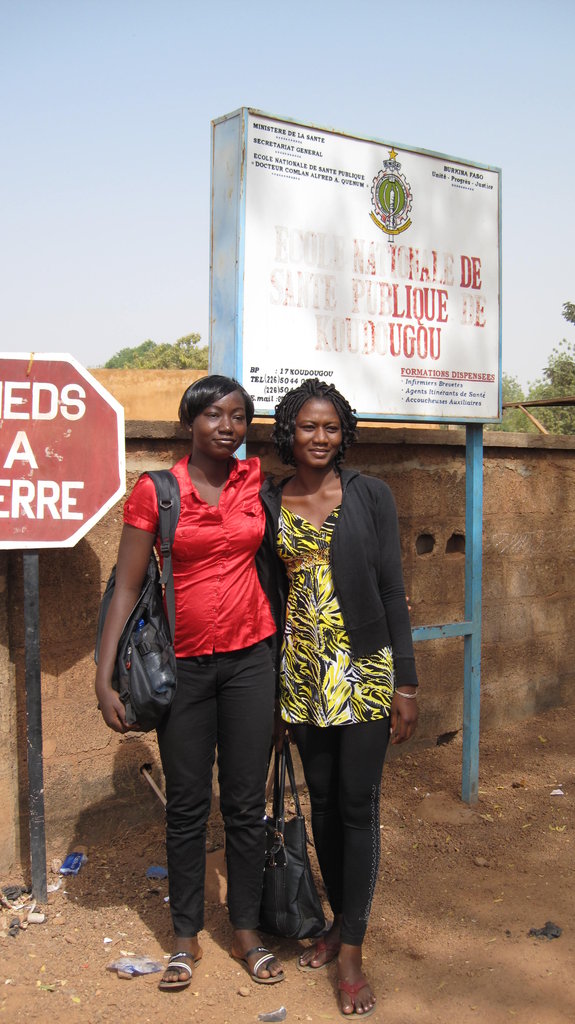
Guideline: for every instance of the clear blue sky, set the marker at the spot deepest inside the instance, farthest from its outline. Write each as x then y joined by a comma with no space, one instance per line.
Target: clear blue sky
105,127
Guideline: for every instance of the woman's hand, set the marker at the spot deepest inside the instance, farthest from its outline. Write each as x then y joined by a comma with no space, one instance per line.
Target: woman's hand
404,714
112,709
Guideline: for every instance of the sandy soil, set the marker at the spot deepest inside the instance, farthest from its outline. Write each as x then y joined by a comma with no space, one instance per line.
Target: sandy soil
459,891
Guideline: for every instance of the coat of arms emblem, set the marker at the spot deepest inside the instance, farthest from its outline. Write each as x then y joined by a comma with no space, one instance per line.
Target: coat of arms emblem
391,198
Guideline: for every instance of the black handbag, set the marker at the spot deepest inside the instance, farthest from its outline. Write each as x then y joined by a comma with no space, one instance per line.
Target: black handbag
145,672
291,906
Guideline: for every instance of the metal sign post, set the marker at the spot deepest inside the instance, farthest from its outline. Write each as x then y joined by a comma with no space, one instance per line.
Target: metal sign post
63,466
470,628
34,726
472,642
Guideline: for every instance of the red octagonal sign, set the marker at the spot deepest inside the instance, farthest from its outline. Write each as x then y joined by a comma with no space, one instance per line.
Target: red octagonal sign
62,458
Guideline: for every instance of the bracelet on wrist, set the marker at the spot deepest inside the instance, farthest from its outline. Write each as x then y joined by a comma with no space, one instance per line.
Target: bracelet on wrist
410,696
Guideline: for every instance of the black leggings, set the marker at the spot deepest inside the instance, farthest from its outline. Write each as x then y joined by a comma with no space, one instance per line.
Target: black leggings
342,767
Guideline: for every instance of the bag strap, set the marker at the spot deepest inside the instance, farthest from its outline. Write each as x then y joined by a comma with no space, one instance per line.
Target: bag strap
284,763
291,774
168,494
278,809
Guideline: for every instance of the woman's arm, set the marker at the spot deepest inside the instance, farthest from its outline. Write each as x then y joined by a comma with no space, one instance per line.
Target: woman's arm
133,558
392,589
404,711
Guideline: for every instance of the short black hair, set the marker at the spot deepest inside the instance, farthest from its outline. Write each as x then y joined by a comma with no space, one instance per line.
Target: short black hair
289,406
205,392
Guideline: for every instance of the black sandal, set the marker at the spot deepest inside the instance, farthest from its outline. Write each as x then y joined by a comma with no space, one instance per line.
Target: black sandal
262,961
179,962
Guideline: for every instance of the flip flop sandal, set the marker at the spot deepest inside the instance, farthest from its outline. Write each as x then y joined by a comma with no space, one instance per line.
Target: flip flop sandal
179,962
352,991
262,961
332,948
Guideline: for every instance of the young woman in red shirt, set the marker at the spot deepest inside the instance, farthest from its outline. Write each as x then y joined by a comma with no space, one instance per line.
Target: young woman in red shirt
225,693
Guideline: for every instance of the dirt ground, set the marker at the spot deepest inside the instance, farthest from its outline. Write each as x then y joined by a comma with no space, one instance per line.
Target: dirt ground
458,892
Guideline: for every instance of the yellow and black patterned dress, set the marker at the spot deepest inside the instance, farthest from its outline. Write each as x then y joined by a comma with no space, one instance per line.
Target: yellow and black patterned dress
321,683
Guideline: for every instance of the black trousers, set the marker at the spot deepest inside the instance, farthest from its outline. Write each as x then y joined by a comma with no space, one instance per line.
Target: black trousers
342,767
223,700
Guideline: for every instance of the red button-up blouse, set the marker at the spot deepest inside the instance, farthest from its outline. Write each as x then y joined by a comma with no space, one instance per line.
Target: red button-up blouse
220,605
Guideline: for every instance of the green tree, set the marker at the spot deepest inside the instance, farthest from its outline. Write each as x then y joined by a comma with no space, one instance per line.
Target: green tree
513,419
558,381
183,354
569,312
127,358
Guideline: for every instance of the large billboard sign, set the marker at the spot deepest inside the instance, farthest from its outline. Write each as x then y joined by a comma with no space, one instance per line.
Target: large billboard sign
367,264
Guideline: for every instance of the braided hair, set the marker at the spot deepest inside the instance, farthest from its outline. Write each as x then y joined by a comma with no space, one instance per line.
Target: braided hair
289,406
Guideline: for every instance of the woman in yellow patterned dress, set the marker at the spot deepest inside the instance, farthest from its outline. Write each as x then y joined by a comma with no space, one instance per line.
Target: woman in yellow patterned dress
347,671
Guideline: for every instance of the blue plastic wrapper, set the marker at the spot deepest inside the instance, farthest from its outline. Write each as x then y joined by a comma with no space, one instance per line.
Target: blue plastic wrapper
156,871
135,965
72,864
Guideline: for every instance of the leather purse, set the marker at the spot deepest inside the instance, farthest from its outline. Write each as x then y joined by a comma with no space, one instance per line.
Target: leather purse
145,672
291,906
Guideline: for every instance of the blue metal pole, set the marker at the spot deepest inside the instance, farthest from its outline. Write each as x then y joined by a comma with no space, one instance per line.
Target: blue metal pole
472,641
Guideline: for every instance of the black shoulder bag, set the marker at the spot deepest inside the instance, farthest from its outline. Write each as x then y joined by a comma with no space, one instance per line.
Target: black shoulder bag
145,671
291,906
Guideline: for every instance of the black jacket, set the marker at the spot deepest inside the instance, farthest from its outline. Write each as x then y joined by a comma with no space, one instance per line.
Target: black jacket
365,557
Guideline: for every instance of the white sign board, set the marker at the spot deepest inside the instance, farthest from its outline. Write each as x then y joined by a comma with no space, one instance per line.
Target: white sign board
369,265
